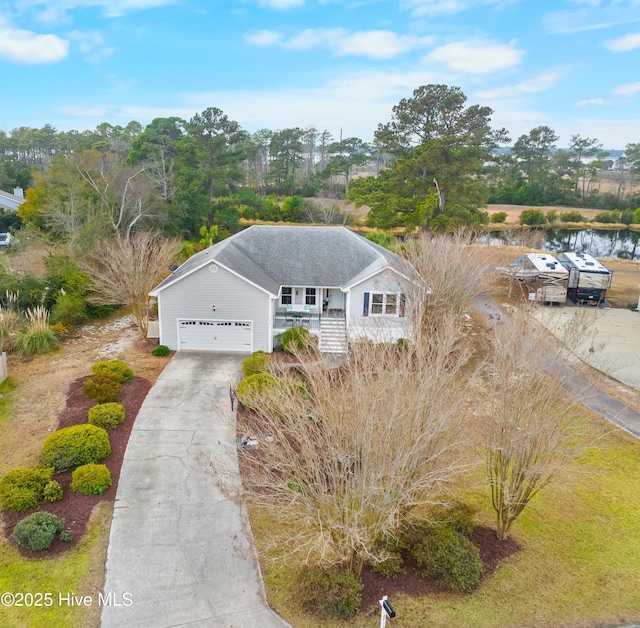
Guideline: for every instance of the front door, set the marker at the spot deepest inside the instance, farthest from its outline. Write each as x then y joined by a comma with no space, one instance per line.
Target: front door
336,299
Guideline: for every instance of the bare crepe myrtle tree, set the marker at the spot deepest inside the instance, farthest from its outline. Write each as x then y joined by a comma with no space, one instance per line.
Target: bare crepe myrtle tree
533,427
344,464
126,268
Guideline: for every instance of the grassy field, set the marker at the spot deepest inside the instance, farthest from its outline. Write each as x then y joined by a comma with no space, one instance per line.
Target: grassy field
579,565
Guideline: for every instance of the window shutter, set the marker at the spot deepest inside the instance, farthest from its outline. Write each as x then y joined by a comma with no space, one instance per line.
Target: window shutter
365,309
403,304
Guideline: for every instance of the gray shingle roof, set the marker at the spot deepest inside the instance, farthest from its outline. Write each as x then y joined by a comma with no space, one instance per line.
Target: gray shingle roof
275,256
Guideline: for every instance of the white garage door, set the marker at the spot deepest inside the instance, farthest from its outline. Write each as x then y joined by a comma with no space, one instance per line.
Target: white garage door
199,335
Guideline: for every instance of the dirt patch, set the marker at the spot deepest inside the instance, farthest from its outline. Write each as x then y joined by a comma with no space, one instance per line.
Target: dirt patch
76,509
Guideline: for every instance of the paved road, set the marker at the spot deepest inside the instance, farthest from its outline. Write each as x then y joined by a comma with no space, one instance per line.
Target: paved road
597,400
180,549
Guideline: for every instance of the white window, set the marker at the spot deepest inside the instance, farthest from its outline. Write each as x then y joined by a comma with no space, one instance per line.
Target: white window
310,296
285,298
387,304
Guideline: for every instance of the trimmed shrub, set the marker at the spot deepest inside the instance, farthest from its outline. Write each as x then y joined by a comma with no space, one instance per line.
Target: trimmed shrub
458,515
106,415
23,489
257,362
37,531
299,339
103,387
390,568
66,536
572,216
552,216
532,217
450,558
161,351
52,492
609,217
329,592
116,367
251,391
91,479
498,217
75,445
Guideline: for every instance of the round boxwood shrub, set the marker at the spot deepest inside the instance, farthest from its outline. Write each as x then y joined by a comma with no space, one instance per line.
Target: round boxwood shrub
297,339
498,217
253,391
257,362
75,445
450,558
23,489
91,479
390,568
329,592
106,415
52,492
103,387
161,351
37,531
532,217
116,367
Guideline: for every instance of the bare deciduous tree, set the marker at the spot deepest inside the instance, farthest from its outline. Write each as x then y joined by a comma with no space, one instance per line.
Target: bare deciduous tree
533,428
124,270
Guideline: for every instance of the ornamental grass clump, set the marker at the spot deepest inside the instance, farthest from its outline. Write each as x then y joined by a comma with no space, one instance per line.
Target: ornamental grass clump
103,387
9,326
106,415
116,367
37,531
74,446
35,337
23,489
91,479
331,592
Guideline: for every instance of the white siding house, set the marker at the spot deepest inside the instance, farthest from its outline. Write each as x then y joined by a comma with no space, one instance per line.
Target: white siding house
237,295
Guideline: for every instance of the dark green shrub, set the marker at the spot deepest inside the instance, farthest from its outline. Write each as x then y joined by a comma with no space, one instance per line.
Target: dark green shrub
23,489
458,515
66,536
609,217
91,479
75,445
103,387
626,216
116,367
499,217
572,216
390,568
552,216
532,217
450,558
161,351
37,531
257,362
331,592
297,339
52,492
106,415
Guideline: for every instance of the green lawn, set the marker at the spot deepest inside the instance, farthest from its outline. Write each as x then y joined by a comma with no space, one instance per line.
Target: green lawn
78,572
579,565
7,398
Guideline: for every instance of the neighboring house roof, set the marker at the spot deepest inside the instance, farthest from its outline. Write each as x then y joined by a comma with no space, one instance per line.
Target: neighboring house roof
275,256
10,201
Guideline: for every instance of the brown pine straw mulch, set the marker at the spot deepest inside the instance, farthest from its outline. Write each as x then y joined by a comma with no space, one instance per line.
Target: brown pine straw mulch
73,507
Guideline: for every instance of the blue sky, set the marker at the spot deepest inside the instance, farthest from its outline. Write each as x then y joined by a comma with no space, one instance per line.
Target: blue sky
339,65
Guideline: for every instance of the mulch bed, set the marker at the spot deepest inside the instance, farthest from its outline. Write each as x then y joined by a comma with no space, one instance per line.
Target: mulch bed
73,507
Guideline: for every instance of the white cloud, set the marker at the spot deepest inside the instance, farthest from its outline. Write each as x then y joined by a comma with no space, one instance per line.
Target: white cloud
539,83
624,44
592,15
590,101
476,57
91,44
431,8
281,5
22,46
56,10
377,44
627,89
264,38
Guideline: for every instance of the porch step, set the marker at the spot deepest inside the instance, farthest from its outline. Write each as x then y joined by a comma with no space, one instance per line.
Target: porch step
333,335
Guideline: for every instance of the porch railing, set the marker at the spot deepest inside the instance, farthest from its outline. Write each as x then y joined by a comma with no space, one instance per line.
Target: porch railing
310,320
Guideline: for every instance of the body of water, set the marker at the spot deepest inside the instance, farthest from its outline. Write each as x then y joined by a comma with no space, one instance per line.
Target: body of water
621,243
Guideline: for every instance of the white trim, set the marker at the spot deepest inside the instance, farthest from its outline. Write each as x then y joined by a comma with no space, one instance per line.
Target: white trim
384,313
270,334
154,293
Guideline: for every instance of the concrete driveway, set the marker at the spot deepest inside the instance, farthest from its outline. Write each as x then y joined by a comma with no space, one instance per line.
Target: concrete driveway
180,551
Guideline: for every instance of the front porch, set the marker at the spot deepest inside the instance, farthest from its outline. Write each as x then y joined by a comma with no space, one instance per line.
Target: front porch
284,319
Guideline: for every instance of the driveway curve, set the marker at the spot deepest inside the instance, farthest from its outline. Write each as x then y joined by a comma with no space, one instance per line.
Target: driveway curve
180,551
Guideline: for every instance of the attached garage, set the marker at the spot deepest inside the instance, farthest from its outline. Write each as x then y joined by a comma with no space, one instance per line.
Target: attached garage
212,335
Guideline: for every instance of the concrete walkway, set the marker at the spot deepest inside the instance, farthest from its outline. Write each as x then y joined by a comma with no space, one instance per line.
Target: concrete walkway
180,552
